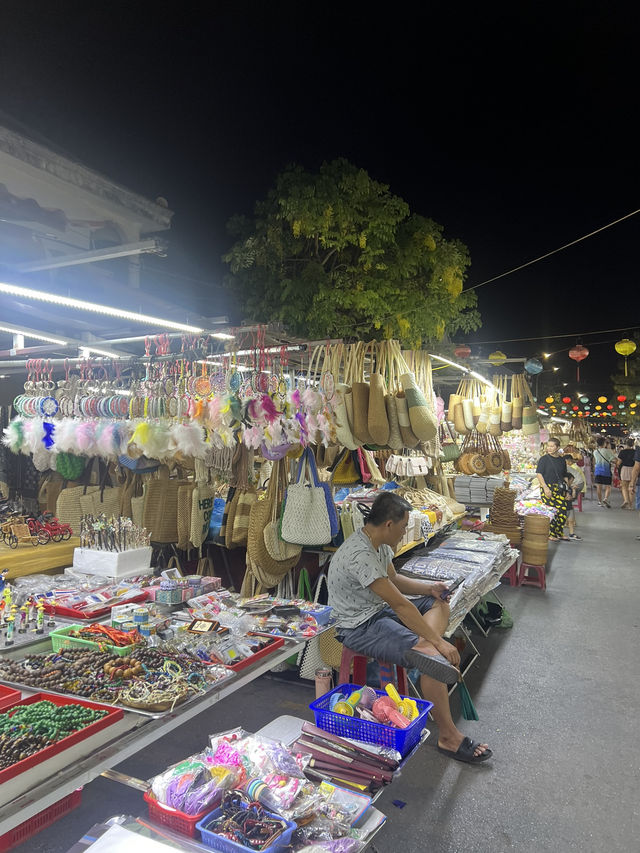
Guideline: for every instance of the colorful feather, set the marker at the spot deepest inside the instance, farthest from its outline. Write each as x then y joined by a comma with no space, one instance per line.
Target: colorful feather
85,435
269,409
66,435
14,435
48,439
188,439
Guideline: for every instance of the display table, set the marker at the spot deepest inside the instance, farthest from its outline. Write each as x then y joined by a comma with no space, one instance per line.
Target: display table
27,560
135,733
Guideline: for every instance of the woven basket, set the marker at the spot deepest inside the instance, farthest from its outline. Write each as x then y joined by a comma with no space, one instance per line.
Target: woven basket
535,540
535,556
536,524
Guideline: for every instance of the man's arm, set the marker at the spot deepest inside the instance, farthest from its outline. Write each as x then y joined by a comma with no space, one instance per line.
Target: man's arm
410,616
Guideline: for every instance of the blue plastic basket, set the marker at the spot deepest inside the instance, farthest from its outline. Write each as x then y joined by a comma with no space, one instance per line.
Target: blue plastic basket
216,842
322,614
402,740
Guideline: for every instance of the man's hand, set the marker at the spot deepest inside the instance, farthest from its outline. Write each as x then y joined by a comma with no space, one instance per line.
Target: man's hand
449,652
437,588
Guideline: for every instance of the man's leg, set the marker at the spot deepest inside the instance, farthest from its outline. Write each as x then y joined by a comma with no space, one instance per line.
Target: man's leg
449,736
599,491
571,522
607,495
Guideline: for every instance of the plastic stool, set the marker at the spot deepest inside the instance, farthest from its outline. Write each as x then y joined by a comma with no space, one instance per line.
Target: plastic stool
387,675
540,581
580,502
512,574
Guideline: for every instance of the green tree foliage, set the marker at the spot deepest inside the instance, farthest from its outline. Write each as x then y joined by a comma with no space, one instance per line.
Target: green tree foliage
335,254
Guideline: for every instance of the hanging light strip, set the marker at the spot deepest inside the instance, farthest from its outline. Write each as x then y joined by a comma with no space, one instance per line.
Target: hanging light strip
15,330
81,305
85,352
464,369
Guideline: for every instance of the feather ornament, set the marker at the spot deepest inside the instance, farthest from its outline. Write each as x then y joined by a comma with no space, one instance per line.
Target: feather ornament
140,435
85,438
33,435
252,437
214,416
48,439
311,400
66,435
269,410
295,399
105,444
14,435
158,441
188,439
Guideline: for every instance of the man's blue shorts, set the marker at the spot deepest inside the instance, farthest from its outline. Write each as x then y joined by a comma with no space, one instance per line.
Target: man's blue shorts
383,636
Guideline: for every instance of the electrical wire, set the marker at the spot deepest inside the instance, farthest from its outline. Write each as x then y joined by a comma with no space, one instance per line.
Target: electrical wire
553,337
554,252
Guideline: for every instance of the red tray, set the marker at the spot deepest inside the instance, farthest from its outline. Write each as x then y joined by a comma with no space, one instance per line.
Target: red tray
72,613
40,821
113,714
275,643
174,819
8,697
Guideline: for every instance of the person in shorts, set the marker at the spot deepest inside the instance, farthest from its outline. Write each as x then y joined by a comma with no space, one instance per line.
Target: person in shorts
633,484
376,618
625,461
570,497
603,457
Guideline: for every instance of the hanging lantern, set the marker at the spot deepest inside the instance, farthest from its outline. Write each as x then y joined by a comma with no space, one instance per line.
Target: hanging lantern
625,348
621,405
584,399
576,408
633,405
587,408
578,354
622,398
637,396
598,408
549,399
533,366
566,399
609,407
580,414
462,351
602,399
497,358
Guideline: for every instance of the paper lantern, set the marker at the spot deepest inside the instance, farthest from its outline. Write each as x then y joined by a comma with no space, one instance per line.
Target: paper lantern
462,351
549,399
602,399
598,408
587,408
578,354
621,398
580,414
625,348
566,399
533,366
609,407
497,358
621,405
576,408
633,405
584,399
637,396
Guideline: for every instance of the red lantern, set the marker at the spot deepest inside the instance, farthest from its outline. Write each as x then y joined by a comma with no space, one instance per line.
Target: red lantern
622,398
575,408
566,399
610,407
462,351
578,354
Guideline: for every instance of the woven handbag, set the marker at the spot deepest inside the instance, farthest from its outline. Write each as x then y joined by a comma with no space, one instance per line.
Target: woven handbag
202,499
423,420
68,508
360,394
184,515
279,550
161,507
305,517
344,471
330,648
310,659
377,421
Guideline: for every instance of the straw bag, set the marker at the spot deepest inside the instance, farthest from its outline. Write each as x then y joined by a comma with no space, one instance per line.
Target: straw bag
388,365
137,510
330,648
360,394
530,421
345,472
375,475
449,450
68,508
516,402
161,507
104,501
506,417
378,422
456,414
344,435
305,517
202,498
260,564
423,421
310,659
279,550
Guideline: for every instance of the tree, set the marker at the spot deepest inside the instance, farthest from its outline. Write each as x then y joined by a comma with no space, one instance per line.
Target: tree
336,254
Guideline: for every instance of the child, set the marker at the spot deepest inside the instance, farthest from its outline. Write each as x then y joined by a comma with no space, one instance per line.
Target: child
572,495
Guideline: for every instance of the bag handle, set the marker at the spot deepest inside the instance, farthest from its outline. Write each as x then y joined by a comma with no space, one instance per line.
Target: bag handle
304,585
308,460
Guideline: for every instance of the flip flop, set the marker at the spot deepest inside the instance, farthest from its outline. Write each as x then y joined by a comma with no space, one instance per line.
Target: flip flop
465,752
436,666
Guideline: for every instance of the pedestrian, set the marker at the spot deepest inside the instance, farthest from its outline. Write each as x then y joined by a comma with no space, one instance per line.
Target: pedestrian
572,495
625,461
603,457
633,484
579,481
552,473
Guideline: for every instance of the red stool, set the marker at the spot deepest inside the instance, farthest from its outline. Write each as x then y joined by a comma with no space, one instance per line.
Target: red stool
539,581
387,675
512,574
580,502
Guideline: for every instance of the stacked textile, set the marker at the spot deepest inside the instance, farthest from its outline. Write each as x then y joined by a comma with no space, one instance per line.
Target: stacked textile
475,490
481,559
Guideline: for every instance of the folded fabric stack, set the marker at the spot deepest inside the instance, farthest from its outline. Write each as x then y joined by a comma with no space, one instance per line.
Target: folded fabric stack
503,518
475,490
481,561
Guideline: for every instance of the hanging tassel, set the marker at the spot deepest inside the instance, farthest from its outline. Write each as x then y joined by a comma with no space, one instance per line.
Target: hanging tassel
468,708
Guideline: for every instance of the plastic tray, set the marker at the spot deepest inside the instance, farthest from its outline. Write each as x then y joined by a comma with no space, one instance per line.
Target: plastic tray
174,819
273,644
8,697
40,821
217,842
113,714
61,640
402,740
73,613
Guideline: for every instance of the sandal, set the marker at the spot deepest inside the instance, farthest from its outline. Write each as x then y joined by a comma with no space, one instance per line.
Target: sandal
465,752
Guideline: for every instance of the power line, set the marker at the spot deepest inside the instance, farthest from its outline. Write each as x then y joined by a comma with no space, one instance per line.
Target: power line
554,252
553,337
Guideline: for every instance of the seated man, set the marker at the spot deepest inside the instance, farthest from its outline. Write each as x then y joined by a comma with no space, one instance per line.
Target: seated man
376,618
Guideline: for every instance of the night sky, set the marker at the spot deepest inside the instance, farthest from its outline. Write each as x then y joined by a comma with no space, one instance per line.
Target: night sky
514,129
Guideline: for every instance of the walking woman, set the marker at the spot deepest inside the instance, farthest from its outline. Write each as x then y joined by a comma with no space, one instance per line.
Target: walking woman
603,457
625,461
552,474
